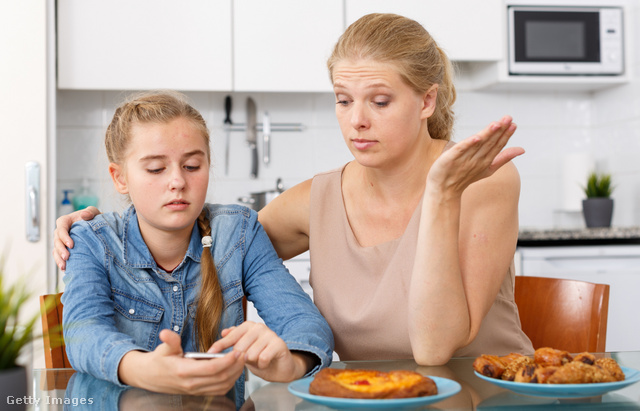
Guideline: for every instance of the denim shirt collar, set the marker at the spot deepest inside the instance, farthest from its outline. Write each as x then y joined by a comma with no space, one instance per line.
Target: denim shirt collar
135,250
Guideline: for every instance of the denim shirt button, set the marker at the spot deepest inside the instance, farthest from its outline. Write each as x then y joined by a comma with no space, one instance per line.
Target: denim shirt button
176,328
132,311
175,288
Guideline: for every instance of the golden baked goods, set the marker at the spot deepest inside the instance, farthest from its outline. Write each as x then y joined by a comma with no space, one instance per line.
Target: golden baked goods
371,384
550,366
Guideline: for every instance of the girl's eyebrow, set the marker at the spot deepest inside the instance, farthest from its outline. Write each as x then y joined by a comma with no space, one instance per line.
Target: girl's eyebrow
162,156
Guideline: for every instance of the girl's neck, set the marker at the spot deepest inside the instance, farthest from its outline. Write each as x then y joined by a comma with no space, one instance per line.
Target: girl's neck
167,248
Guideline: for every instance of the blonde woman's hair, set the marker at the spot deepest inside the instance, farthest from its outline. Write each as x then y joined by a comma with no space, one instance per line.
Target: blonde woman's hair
162,107
390,38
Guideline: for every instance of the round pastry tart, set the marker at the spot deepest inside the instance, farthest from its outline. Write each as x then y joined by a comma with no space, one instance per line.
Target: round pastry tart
371,384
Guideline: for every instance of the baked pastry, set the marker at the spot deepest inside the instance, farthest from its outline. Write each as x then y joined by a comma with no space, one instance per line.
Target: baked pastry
371,384
550,366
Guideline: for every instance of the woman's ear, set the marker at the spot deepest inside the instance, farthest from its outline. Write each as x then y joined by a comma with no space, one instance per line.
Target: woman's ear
119,180
429,102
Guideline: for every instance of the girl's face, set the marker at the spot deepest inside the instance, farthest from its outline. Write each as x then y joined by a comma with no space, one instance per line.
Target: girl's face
166,174
382,119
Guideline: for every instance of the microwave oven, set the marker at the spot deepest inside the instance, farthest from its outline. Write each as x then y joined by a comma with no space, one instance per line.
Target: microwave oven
565,40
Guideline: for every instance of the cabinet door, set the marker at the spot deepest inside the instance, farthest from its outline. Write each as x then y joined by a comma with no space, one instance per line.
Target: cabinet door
467,30
283,45
144,44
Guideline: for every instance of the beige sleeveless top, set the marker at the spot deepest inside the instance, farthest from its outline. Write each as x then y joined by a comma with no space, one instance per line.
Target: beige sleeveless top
362,291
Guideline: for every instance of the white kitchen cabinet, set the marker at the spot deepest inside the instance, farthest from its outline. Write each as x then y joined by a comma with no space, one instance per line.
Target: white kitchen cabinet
467,30
144,44
616,265
283,45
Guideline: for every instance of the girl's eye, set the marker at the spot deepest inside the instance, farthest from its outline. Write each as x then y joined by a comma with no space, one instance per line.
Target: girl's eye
155,170
192,168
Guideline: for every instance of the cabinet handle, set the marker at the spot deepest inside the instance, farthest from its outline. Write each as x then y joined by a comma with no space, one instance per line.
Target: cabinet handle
32,170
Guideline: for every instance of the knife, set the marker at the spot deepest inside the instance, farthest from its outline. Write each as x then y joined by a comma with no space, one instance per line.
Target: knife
252,138
266,138
227,122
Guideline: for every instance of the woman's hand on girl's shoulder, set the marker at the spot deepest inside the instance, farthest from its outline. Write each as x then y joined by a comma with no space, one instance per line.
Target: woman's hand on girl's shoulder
61,238
266,354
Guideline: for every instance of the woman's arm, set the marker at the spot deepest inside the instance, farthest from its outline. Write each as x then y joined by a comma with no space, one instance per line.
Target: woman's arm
286,220
467,237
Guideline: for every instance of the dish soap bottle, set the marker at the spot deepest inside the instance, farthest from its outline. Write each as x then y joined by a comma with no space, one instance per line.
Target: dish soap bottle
85,198
65,207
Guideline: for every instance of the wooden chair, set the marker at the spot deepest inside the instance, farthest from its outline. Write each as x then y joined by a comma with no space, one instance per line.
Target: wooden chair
55,355
563,314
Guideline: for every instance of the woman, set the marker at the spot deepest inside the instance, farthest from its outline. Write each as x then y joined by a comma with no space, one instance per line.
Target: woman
169,274
423,228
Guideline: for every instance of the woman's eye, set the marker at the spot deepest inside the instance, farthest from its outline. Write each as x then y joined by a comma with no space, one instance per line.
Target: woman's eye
342,102
381,103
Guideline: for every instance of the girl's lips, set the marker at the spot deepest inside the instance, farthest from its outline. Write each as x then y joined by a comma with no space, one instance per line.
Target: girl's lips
177,205
363,144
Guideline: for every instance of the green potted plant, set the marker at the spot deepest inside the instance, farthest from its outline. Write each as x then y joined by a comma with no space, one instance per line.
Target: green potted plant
598,206
14,336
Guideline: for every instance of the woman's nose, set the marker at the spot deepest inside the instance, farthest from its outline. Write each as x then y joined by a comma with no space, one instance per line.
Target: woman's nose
359,118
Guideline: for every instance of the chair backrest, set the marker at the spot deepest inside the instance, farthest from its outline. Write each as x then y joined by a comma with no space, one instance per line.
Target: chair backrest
563,314
55,355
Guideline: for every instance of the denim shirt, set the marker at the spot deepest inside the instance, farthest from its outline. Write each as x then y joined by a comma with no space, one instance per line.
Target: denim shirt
117,299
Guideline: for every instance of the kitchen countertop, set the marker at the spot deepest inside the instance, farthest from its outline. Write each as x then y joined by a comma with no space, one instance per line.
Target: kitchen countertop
583,236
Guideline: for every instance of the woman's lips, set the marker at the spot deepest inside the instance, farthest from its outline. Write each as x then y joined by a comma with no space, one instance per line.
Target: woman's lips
360,144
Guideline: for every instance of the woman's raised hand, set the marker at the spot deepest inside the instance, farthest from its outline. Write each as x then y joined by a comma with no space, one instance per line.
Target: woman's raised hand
474,158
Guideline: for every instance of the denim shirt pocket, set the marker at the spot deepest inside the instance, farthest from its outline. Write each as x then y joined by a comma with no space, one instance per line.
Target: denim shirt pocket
138,318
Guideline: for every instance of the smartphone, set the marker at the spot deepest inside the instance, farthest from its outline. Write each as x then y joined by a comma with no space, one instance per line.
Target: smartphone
203,355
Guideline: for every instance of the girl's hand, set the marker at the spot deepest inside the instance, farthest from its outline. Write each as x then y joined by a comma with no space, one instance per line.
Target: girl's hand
473,159
266,354
61,238
166,370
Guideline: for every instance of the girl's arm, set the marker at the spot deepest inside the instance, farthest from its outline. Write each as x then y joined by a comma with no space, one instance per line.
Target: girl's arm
467,237
296,339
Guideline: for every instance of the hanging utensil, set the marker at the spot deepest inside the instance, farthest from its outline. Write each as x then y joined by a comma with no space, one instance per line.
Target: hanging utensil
252,138
227,122
266,138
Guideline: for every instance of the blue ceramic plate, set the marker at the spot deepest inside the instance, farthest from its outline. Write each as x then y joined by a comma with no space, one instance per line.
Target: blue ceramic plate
566,390
446,388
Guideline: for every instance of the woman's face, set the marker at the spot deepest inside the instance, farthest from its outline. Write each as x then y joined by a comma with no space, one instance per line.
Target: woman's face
382,119
166,174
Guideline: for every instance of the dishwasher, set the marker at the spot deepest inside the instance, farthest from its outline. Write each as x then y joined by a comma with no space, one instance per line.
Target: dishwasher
616,265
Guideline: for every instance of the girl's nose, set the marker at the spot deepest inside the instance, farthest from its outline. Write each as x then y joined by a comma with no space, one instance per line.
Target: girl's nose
176,181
